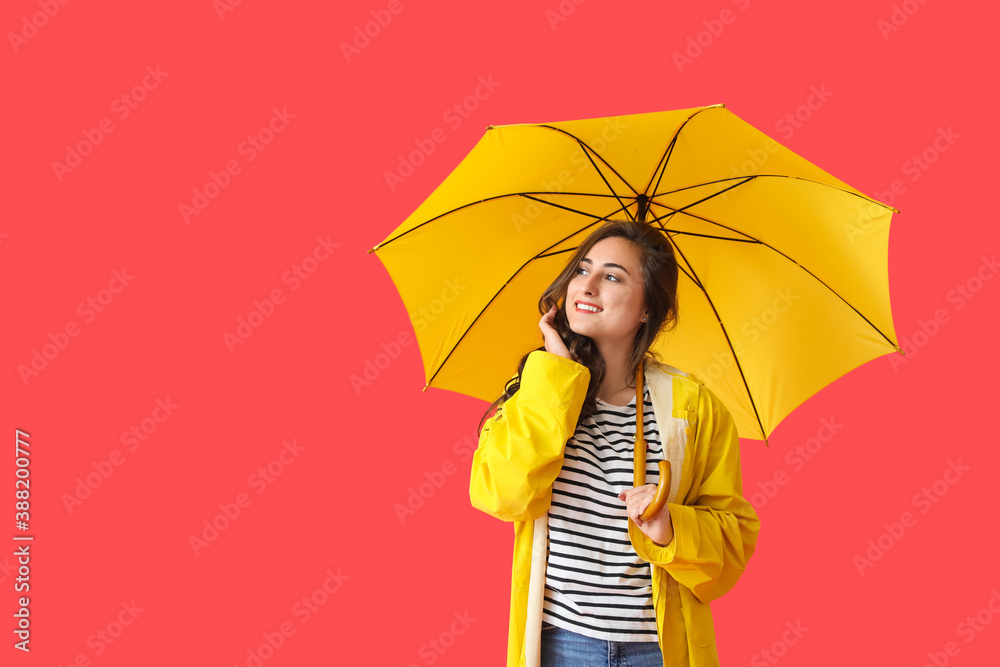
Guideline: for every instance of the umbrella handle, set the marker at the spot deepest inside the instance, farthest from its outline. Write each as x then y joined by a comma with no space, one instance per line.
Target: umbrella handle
662,491
639,460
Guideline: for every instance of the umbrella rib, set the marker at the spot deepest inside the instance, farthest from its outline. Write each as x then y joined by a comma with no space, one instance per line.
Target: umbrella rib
586,152
834,292
798,178
711,236
482,201
704,199
683,209
725,333
661,167
624,207
544,253
554,253
591,150
742,179
658,219
835,187
573,210
766,245
670,235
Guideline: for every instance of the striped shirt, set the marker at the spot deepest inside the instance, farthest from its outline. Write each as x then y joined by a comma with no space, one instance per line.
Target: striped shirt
595,583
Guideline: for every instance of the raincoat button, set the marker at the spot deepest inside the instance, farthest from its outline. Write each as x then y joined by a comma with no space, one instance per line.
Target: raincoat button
690,408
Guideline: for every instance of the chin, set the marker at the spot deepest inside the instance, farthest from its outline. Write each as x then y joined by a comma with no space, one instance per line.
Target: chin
574,323
580,331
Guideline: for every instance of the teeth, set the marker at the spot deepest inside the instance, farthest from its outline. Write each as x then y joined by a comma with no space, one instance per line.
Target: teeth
592,309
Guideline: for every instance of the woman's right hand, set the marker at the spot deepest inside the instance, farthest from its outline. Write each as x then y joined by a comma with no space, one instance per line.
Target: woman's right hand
553,341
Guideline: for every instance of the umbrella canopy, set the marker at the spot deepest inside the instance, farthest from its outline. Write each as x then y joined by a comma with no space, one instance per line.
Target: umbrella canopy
784,279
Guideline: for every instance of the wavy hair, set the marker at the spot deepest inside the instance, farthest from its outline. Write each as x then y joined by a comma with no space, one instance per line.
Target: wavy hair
659,276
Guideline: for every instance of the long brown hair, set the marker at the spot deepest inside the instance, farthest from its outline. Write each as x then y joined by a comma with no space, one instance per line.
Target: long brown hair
659,275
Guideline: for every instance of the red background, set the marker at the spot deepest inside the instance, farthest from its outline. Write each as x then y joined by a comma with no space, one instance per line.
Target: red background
334,506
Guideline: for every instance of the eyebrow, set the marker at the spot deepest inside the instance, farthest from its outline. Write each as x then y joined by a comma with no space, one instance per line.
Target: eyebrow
617,266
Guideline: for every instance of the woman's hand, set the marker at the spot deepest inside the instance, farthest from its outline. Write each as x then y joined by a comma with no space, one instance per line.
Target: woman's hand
553,341
659,528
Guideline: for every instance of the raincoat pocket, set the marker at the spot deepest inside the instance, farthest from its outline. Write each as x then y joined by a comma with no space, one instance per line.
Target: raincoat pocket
698,618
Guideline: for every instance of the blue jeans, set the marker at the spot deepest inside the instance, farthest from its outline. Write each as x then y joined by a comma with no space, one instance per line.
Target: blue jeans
563,648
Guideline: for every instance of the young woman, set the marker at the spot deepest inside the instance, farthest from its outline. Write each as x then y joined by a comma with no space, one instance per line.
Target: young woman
592,583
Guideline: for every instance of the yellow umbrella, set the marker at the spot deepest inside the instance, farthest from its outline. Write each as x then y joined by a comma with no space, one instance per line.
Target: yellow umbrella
784,280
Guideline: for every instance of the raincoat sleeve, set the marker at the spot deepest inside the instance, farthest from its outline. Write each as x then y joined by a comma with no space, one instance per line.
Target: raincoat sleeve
521,447
715,533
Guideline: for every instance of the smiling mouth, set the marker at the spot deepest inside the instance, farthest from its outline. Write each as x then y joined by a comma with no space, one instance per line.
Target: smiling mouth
582,308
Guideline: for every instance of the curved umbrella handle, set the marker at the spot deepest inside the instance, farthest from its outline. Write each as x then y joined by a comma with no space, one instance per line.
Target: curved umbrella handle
662,491
639,459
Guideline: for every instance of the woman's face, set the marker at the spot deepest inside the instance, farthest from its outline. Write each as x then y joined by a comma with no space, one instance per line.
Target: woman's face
609,281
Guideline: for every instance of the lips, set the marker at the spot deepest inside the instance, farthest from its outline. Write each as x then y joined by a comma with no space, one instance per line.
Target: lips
584,307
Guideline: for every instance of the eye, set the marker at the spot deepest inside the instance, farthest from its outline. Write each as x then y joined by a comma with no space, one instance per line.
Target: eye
580,270
614,277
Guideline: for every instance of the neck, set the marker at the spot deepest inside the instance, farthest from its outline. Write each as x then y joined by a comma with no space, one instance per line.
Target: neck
616,377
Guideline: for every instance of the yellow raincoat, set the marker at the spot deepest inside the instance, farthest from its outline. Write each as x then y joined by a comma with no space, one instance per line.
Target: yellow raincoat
520,455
